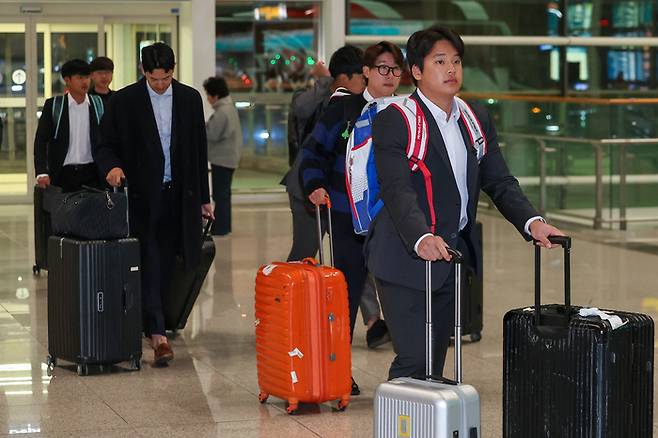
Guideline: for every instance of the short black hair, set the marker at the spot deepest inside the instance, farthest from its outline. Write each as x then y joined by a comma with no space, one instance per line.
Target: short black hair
101,63
158,55
347,60
216,86
75,67
420,43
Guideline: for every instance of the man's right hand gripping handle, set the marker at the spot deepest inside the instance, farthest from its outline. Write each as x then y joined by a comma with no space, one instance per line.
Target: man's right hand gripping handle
115,177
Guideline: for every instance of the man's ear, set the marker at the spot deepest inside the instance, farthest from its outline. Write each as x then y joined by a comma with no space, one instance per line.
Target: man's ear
366,71
416,72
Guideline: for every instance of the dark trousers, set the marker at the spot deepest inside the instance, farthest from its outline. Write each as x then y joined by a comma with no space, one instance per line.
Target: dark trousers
305,241
349,259
158,250
404,312
222,177
73,176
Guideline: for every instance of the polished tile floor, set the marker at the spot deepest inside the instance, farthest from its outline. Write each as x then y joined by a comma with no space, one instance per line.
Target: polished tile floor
210,388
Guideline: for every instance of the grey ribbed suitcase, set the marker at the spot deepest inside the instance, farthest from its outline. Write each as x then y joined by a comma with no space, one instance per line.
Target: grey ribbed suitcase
94,302
430,407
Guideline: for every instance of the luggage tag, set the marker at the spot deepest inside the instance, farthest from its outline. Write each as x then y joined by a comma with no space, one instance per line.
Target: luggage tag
614,320
267,270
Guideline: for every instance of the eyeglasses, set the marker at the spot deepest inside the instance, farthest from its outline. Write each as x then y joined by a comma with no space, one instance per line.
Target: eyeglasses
384,70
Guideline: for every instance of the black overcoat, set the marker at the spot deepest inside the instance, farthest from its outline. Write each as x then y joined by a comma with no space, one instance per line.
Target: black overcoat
130,140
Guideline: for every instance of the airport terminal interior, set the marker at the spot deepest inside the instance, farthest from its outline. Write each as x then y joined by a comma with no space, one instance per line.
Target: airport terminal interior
571,87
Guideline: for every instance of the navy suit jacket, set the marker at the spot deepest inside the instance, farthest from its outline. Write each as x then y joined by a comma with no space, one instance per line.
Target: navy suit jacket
406,216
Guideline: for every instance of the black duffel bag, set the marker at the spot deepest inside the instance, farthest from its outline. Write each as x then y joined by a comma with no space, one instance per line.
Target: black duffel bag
90,214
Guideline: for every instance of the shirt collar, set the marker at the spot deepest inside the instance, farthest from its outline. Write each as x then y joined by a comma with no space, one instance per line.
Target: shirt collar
367,96
152,93
437,112
73,102
223,101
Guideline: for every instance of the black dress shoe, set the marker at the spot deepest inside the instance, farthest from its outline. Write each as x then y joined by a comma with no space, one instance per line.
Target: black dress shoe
355,388
377,334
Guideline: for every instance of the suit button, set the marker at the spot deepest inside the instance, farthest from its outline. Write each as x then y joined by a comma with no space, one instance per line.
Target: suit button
453,235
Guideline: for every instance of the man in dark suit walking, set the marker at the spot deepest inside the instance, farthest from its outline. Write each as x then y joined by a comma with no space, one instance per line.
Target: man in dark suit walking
403,235
154,135
68,130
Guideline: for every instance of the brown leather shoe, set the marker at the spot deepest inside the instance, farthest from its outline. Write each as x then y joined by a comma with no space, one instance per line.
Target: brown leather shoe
162,354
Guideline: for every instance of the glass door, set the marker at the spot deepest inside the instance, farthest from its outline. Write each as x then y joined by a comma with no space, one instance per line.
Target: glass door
13,135
124,42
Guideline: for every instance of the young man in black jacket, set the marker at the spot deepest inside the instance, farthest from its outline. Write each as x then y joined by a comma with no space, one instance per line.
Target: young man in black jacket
410,229
323,164
69,128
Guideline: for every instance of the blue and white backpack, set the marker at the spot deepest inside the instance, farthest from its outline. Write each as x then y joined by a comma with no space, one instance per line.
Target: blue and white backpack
360,172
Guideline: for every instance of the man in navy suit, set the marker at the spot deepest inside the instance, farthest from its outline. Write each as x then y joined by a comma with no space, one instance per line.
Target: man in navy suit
401,238
154,135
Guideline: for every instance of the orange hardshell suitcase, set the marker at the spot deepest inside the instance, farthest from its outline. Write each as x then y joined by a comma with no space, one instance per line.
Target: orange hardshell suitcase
303,349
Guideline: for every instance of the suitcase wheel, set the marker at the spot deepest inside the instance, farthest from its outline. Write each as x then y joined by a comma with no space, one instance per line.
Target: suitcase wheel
476,337
343,404
292,408
135,364
51,361
83,369
263,396
36,270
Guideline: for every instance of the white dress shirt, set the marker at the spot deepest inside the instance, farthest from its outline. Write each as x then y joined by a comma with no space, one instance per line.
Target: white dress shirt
162,110
456,147
79,151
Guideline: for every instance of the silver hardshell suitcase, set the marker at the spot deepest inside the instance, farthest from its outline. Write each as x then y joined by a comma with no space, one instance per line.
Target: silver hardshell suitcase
430,407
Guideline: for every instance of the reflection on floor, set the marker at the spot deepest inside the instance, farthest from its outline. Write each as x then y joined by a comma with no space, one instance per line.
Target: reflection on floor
210,389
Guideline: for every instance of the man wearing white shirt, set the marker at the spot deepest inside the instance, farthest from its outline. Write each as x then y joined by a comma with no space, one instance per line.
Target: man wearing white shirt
429,210
68,128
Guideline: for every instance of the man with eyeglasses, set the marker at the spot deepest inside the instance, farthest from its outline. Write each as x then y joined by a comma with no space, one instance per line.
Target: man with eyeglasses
323,165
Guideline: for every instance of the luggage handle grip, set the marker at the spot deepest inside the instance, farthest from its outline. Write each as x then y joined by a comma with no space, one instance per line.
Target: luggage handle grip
565,242
458,259
329,231
206,229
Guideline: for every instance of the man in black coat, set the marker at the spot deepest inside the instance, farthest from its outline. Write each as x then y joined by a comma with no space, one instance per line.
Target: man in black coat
68,130
401,238
154,135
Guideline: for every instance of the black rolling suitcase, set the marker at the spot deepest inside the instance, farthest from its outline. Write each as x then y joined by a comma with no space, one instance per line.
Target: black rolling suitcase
186,285
94,302
572,376
472,296
42,228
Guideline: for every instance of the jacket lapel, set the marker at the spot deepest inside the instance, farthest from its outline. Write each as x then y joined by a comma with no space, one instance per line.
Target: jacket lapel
151,134
174,121
63,133
471,160
435,137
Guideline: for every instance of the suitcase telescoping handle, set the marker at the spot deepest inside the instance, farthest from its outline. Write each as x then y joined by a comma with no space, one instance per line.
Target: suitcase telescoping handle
329,231
458,259
124,182
565,242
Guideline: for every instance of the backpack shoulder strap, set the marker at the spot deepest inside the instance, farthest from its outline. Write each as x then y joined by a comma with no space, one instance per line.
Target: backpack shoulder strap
417,144
474,128
99,108
58,109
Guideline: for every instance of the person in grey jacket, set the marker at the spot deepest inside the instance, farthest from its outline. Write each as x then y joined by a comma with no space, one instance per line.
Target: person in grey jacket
224,149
